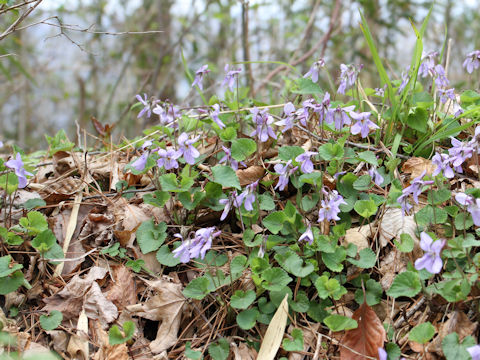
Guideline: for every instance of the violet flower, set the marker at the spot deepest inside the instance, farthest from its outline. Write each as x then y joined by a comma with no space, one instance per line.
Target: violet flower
431,260
442,161
339,116
405,79
474,351
472,62
1,143
146,106
363,124
199,74
376,176
214,116
233,199
18,166
323,110
196,247
382,354
304,112
187,149
330,209
248,196
472,204
348,76
230,77
307,235
459,152
141,162
263,120
428,64
315,70
168,116
168,158
306,163
439,76
285,171
287,122
415,189
446,94
229,159
381,91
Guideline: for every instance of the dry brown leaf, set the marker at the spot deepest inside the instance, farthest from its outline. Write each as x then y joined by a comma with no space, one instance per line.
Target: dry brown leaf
122,290
107,351
78,344
98,227
417,165
55,191
243,352
166,307
59,340
366,338
250,174
358,236
458,322
308,341
274,334
393,223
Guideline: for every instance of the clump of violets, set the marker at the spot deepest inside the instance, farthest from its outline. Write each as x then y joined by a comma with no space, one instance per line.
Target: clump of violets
187,149
197,246
307,235
472,204
431,260
330,206
230,77
263,121
363,124
348,76
472,61
214,116
442,161
199,74
285,171
414,189
306,162
315,70
18,166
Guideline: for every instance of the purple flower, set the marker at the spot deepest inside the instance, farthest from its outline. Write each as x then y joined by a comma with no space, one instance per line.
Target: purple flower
141,162
168,159
199,74
439,76
474,351
415,189
146,106
472,62
405,79
214,115
229,159
263,120
446,94
307,235
382,354
248,196
20,171
428,64
363,124
304,159
187,149
442,161
147,144
230,77
232,199
472,204
339,116
459,152
1,143
381,91
166,116
196,247
431,260
376,176
315,70
330,209
289,111
348,76
285,171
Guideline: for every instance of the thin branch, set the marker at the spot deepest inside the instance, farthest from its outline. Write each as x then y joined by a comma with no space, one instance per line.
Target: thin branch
14,27
3,11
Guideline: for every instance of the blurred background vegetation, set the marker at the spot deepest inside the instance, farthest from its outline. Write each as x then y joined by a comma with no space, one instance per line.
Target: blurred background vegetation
63,69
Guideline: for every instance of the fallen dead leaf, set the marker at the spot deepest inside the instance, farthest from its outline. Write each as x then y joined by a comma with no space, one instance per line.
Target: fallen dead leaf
274,334
366,338
250,174
458,322
107,351
122,290
393,223
416,165
308,341
243,352
78,344
358,236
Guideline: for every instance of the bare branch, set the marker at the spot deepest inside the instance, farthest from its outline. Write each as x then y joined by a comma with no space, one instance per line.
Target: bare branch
14,27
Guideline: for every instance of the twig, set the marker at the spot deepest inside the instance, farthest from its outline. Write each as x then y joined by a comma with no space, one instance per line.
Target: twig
14,27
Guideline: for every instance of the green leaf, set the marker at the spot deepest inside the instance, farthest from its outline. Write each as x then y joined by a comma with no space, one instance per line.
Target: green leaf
228,134
44,241
339,323
334,260
165,257
157,198
307,86
463,221
274,279
293,263
438,197
363,183
242,299
287,153
197,288
135,265
406,243
301,303
296,344
115,336
220,350
274,222
431,215
367,259
226,176
246,319
9,182
150,236
33,203
330,151
368,157
453,350
169,182
329,288
405,284
417,119
6,268
238,265
11,283
35,223
266,202
192,354
59,142
191,199
422,333
52,321
373,293
345,185
365,208
243,148
393,351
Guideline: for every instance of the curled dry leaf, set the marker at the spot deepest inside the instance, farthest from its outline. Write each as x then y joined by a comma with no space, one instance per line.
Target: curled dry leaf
243,352
458,322
78,344
417,165
250,174
122,290
57,190
166,307
393,224
366,338
358,236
